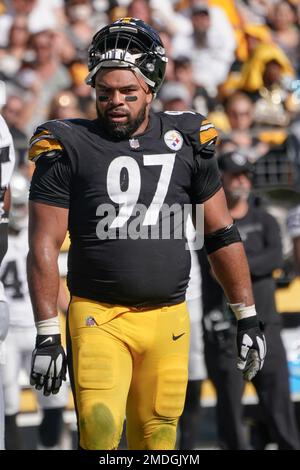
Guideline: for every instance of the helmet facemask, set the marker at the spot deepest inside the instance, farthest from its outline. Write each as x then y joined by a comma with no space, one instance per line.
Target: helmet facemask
135,46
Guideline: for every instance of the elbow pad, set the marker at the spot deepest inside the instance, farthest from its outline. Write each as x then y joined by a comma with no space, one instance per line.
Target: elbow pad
223,237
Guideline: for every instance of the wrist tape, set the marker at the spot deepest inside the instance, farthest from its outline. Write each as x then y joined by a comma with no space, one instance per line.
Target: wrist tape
48,327
241,311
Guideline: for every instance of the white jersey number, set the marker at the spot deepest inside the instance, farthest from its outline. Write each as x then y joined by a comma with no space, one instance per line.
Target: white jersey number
125,191
11,280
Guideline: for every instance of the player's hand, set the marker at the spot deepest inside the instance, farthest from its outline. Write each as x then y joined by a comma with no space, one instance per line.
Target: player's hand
251,346
48,365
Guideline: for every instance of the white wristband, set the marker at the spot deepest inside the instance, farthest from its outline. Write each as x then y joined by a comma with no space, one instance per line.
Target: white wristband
48,327
241,311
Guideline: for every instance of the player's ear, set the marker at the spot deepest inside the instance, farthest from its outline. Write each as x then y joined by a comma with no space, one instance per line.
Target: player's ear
149,96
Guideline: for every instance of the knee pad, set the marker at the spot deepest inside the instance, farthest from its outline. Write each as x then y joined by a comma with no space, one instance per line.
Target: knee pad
163,437
98,428
171,386
4,320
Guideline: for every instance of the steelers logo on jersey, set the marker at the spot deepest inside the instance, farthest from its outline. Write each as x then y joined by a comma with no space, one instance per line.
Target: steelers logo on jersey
173,139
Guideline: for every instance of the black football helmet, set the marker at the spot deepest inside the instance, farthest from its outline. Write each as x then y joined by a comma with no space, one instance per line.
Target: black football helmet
129,43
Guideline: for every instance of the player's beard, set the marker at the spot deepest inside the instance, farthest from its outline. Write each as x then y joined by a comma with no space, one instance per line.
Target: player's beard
118,130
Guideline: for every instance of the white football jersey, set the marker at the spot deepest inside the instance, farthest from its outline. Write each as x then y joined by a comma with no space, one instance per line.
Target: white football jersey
14,277
7,162
7,154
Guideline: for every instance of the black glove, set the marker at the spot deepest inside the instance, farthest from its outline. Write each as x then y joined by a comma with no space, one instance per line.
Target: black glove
49,364
251,345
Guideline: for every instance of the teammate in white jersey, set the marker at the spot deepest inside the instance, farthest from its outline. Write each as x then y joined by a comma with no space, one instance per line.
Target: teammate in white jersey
7,161
21,336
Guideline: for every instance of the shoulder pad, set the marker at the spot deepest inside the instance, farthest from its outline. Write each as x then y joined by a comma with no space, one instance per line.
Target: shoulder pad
43,143
207,132
197,129
203,136
187,120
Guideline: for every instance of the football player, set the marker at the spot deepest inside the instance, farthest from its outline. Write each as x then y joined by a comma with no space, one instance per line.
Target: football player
21,334
7,161
117,183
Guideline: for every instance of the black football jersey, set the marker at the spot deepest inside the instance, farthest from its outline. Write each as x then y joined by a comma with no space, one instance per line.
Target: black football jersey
126,202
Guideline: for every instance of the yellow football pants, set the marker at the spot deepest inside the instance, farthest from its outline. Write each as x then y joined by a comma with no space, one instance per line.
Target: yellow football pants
125,361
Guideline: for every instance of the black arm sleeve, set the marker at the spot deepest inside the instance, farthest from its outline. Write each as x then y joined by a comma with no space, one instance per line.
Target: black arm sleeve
51,182
206,180
3,239
265,262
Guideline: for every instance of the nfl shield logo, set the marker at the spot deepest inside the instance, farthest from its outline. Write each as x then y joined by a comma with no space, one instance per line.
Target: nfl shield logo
90,321
134,143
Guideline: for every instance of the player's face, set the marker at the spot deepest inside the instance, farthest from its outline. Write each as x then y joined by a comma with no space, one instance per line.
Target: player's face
122,102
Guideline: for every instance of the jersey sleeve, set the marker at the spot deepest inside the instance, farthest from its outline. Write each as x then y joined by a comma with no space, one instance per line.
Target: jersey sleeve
202,135
43,144
206,180
207,139
51,181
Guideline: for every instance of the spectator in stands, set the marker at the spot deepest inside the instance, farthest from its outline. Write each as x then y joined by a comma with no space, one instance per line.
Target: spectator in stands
140,9
183,72
240,113
255,11
165,17
168,44
12,112
44,77
41,15
80,25
210,46
65,105
175,96
13,54
267,77
78,72
285,32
